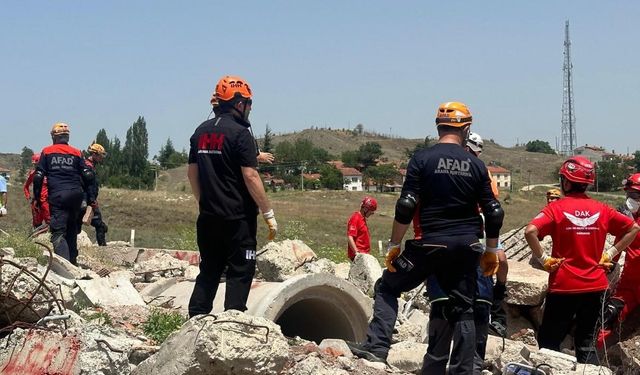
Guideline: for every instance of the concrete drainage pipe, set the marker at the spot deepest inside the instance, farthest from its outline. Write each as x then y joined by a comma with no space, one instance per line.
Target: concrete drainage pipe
313,306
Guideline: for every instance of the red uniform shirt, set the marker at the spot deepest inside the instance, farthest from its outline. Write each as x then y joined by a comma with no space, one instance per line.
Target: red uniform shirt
578,226
357,228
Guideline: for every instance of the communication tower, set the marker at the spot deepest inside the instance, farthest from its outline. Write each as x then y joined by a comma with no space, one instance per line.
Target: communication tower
569,139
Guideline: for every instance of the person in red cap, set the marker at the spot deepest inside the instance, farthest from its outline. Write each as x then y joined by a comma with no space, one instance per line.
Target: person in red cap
579,260
40,214
627,294
358,237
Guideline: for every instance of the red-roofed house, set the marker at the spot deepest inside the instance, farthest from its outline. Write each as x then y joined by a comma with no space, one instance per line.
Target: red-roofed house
502,176
352,179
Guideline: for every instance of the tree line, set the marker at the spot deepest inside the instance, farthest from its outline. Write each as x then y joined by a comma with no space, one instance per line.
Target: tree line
128,165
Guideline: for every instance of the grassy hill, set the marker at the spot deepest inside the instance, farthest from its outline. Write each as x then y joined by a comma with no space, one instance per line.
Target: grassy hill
526,167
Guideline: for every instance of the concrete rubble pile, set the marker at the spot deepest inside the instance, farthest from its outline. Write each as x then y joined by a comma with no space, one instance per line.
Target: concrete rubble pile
297,319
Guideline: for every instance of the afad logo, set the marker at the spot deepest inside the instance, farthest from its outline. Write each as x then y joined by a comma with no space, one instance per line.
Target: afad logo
454,167
210,143
582,219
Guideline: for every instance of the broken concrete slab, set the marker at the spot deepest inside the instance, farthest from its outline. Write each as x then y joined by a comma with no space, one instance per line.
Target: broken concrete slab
525,285
319,266
278,261
553,360
365,271
341,270
407,356
110,290
227,343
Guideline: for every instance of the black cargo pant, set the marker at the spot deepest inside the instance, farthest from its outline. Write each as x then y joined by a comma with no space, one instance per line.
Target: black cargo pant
224,243
563,309
65,222
454,261
101,227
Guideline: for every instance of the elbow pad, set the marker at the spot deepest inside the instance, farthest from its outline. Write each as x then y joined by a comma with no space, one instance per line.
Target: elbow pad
38,180
493,217
405,208
89,178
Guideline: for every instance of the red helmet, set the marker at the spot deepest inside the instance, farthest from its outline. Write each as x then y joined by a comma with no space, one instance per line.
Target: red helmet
369,203
35,158
632,182
578,169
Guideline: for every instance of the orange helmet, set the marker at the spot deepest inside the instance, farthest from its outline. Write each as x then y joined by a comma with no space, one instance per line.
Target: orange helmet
97,148
578,169
632,182
60,128
369,203
231,87
453,114
553,193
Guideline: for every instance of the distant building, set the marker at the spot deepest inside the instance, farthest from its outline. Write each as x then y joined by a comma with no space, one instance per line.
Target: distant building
5,172
352,179
502,176
593,153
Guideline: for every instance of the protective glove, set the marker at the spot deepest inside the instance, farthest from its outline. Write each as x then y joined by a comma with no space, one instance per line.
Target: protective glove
606,260
270,219
550,264
489,261
393,250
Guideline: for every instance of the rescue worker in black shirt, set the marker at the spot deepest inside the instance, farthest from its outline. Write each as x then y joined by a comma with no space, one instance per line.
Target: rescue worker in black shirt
97,153
443,189
224,180
68,179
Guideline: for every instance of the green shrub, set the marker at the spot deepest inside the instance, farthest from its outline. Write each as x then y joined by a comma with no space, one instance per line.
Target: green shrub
184,239
161,324
294,230
100,317
23,246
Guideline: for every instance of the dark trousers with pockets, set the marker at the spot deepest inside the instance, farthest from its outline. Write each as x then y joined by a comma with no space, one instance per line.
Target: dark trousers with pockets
101,227
229,244
563,309
454,261
65,222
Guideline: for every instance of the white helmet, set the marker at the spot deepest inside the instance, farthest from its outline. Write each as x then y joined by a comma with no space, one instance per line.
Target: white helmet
474,142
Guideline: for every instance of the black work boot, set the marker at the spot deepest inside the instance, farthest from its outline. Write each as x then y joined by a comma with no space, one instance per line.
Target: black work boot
361,351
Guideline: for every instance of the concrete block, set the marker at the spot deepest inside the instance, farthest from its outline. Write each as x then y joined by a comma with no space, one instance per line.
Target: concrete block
108,291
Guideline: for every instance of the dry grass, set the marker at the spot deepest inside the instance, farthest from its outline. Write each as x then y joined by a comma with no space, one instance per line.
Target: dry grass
167,218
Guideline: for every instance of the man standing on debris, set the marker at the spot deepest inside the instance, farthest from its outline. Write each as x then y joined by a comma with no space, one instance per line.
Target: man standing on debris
627,293
442,191
97,154
358,239
3,195
39,212
488,311
578,263
67,176
224,180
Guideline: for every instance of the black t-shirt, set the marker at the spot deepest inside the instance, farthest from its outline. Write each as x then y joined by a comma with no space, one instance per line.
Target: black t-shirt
220,147
451,184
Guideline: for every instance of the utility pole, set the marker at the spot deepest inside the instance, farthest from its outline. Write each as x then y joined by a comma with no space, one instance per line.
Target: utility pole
568,136
302,176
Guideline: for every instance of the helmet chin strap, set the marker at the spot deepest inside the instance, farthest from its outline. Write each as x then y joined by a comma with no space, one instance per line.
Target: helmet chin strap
465,134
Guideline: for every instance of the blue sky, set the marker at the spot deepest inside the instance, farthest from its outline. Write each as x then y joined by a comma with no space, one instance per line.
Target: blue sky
386,65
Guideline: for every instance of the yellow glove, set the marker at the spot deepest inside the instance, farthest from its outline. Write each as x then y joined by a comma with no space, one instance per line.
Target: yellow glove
550,264
393,250
606,260
270,219
489,261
